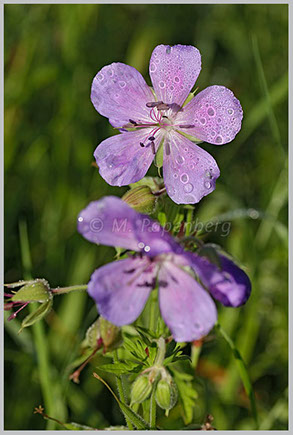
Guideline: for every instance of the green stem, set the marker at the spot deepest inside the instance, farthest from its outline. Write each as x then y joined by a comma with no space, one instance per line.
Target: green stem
161,352
153,409
153,311
38,333
120,390
62,290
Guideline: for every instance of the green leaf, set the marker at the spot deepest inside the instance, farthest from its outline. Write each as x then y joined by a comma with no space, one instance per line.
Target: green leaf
135,419
121,368
154,183
76,426
187,393
36,315
159,155
242,372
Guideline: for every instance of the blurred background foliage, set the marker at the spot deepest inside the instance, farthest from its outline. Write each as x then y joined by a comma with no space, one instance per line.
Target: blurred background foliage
52,53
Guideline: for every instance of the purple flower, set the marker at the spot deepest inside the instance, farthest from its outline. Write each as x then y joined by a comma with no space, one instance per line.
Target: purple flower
121,289
158,119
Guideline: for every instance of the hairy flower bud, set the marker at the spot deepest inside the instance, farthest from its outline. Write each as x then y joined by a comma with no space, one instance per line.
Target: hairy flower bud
109,334
33,291
141,389
166,394
141,199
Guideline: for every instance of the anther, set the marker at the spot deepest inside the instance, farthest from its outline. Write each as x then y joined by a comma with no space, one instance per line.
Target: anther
152,138
133,122
163,106
186,126
154,104
141,144
153,148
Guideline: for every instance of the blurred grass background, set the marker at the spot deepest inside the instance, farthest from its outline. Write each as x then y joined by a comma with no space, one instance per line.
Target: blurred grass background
52,53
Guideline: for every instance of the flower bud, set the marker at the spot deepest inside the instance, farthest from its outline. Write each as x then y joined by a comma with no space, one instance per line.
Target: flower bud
33,291
141,199
141,389
101,329
166,394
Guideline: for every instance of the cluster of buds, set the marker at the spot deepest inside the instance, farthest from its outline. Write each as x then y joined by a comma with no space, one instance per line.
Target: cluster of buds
157,378
37,290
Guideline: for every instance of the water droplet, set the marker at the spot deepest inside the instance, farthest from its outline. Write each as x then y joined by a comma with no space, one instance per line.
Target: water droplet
168,50
141,245
147,248
207,184
171,88
203,121
100,77
186,149
213,133
207,174
219,139
230,111
162,85
219,120
188,188
191,166
122,84
180,160
211,111
153,67
80,219
184,178
157,61
175,175
176,79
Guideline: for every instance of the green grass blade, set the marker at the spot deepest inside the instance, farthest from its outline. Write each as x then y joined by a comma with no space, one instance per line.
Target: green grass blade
242,372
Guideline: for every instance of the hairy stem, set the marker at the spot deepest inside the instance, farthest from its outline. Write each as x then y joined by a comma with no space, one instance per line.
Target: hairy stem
120,390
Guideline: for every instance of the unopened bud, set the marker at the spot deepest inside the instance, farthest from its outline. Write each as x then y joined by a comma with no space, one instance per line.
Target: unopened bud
104,331
141,199
33,291
166,394
141,389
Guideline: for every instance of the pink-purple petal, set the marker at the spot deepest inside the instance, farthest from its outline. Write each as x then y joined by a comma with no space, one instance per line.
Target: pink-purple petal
109,221
173,71
120,92
187,309
215,113
228,283
121,158
121,289
189,171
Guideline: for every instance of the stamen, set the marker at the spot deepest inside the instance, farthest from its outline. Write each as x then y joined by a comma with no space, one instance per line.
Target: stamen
186,126
154,104
163,106
167,147
153,147
133,122
152,138
141,144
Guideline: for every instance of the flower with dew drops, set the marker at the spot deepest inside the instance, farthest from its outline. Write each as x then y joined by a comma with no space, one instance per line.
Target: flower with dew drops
121,289
158,120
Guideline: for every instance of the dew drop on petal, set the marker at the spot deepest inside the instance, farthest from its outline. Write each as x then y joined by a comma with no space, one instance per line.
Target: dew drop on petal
219,139
147,248
203,121
153,67
80,219
207,184
162,85
176,79
180,160
141,245
211,111
122,84
184,178
188,188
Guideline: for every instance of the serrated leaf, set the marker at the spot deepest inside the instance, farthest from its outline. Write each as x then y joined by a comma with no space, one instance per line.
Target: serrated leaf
120,368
